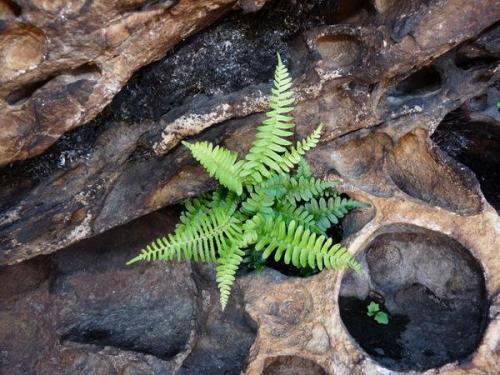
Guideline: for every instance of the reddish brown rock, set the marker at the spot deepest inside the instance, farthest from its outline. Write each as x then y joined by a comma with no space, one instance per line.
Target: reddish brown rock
354,78
408,92
61,62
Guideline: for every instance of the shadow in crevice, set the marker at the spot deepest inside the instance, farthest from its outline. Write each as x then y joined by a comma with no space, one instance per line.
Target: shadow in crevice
475,144
424,82
292,365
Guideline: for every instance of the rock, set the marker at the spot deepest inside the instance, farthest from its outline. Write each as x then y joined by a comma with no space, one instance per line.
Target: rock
121,167
429,283
407,91
83,311
62,62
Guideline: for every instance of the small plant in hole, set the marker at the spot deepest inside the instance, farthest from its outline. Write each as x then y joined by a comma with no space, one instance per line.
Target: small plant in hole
373,311
269,203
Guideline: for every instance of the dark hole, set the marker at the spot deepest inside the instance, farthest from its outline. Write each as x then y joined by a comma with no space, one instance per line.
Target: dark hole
289,269
473,58
421,82
25,92
86,69
349,8
14,7
148,5
428,353
292,365
465,62
95,335
376,339
433,291
103,337
476,145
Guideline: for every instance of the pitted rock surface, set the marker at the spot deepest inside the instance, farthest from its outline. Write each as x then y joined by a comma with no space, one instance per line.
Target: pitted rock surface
408,94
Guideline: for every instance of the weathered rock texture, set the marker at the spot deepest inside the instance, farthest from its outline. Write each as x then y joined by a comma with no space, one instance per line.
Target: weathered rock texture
63,61
407,91
353,78
80,311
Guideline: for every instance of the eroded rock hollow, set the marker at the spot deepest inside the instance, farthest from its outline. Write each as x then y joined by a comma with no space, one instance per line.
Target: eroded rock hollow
95,97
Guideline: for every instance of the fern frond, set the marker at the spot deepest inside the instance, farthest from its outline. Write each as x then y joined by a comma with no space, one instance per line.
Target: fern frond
258,202
290,211
261,197
195,208
228,263
196,241
305,189
303,169
271,137
300,246
219,162
226,200
328,212
293,156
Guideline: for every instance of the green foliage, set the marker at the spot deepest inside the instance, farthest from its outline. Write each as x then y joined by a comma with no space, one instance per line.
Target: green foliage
269,204
298,245
266,153
373,311
219,163
328,212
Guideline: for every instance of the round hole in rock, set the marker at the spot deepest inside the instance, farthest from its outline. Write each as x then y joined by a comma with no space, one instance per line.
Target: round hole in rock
421,82
433,290
9,8
292,365
339,51
475,144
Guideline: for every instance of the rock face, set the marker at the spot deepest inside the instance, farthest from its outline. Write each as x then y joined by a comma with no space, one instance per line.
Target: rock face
370,85
408,92
434,289
63,61
81,311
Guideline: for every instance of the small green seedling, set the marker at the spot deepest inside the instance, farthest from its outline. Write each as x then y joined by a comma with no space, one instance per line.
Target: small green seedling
379,316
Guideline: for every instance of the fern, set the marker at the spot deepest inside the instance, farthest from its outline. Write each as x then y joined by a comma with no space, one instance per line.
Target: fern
291,212
196,241
300,246
293,156
330,212
228,263
271,137
303,169
305,189
263,207
219,163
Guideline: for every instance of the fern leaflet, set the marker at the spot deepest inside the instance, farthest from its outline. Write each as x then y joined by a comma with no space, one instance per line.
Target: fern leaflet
293,156
300,246
305,189
329,212
303,169
291,212
227,265
196,241
272,134
219,162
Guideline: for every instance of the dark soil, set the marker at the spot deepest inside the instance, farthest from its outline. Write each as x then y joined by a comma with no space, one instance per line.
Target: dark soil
378,340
